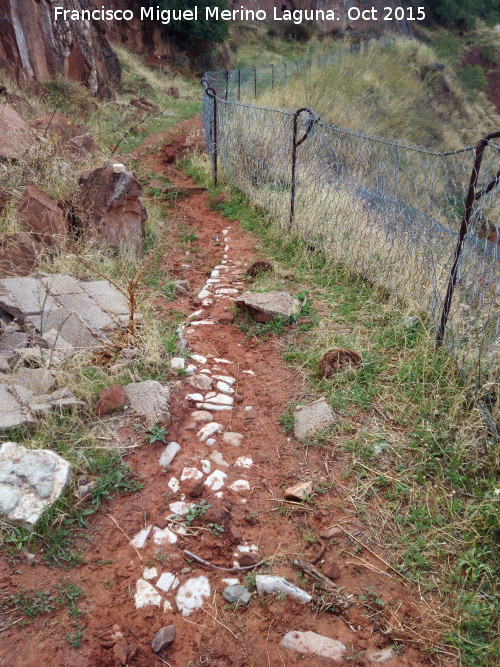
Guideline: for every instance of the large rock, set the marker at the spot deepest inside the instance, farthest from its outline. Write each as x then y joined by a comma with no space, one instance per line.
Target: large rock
107,206
16,137
264,306
150,400
19,254
35,47
30,481
310,643
43,217
312,418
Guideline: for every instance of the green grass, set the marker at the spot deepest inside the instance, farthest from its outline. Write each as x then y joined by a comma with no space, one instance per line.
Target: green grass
423,464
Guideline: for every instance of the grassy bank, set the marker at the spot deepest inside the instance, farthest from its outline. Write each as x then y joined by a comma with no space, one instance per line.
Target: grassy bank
415,459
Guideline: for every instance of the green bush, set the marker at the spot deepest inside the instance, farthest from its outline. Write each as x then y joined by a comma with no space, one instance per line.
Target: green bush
473,78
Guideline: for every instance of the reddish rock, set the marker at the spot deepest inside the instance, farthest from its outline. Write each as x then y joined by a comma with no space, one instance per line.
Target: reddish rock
331,570
173,91
238,398
64,133
106,93
19,254
144,104
219,513
110,399
195,488
331,532
226,318
16,137
248,559
107,205
43,217
124,652
235,536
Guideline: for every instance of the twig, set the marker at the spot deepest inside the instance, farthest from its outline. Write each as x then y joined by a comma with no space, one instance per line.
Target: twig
128,538
202,561
341,601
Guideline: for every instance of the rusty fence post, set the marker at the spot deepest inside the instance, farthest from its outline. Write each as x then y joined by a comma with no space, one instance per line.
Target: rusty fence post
239,85
255,81
295,144
211,93
472,196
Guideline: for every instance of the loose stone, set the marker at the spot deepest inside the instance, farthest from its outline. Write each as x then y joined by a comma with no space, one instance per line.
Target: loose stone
267,583
224,388
167,582
238,595
240,485
201,416
215,481
146,595
299,491
199,358
220,399
231,438
226,378
208,430
177,362
164,638
191,595
169,453
310,643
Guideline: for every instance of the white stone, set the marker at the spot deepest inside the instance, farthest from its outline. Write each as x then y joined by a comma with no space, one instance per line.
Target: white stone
211,406
180,507
195,314
310,643
139,540
224,388
226,378
248,372
231,438
231,581
220,399
248,408
227,290
200,382
243,462
217,458
191,595
222,361
201,322
199,358
163,536
208,430
177,362
207,302
191,369
215,481
210,442
146,595
194,397
150,400
190,473
173,484
203,294
167,582
201,416
240,485
149,573
119,168
267,583
206,466
215,274
169,453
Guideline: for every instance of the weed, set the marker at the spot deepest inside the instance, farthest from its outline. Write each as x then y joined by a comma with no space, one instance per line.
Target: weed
215,529
75,639
196,512
157,434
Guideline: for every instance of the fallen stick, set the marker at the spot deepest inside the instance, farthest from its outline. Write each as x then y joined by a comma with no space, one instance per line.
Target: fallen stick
202,561
340,600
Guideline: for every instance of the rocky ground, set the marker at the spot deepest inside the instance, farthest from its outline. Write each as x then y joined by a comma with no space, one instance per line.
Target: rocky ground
239,549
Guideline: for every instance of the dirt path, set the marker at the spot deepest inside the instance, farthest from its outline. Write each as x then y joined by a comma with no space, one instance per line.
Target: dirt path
242,475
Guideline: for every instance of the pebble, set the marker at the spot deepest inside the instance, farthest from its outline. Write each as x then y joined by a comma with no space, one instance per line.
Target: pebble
199,358
224,388
194,397
167,582
200,382
267,583
195,314
203,294
191,369
177,362
190,473
310,643
139,540
226,378
334,531
299,491
206,466
173,485
164,638
217,458
240,485
235,536
208,430
201,416
243,462
210,442
248,372
169,453
331,570
238,595
231,438
211,406
215,481
222,361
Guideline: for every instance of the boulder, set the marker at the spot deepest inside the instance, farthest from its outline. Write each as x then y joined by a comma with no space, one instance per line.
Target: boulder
107,206
150,400
30,481
265,306
312,418
43,217
16,137
19,254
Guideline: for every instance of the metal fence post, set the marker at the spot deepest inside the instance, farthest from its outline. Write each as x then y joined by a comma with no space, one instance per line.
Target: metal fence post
272,76
255,81
211,93
227,83
295,144
471,197
239,85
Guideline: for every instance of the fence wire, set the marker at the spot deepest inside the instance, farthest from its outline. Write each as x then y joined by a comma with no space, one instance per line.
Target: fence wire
389,211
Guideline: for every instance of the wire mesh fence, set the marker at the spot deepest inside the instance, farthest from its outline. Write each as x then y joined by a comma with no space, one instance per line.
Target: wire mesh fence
420,223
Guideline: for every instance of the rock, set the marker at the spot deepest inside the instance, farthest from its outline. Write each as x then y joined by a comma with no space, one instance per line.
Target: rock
164,638
144,104
110,399
331,532
146,595
64,133
261,266
195,488
247,559
217,458
379,655
336,360
313,417
182,286
310,643
226,318
201,416
107,205
33,480
43,217
218,512
235,536
191,595
169,453
208,430
231,438
124,652
19,254
150,400
202,382
265,306
19,406
331,570
299,491
267,583
173,91
16,138
237,595
37,380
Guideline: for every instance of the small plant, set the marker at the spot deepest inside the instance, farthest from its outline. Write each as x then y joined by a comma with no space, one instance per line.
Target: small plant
216,529
157,434
371,599
252,517
196,512
75,639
